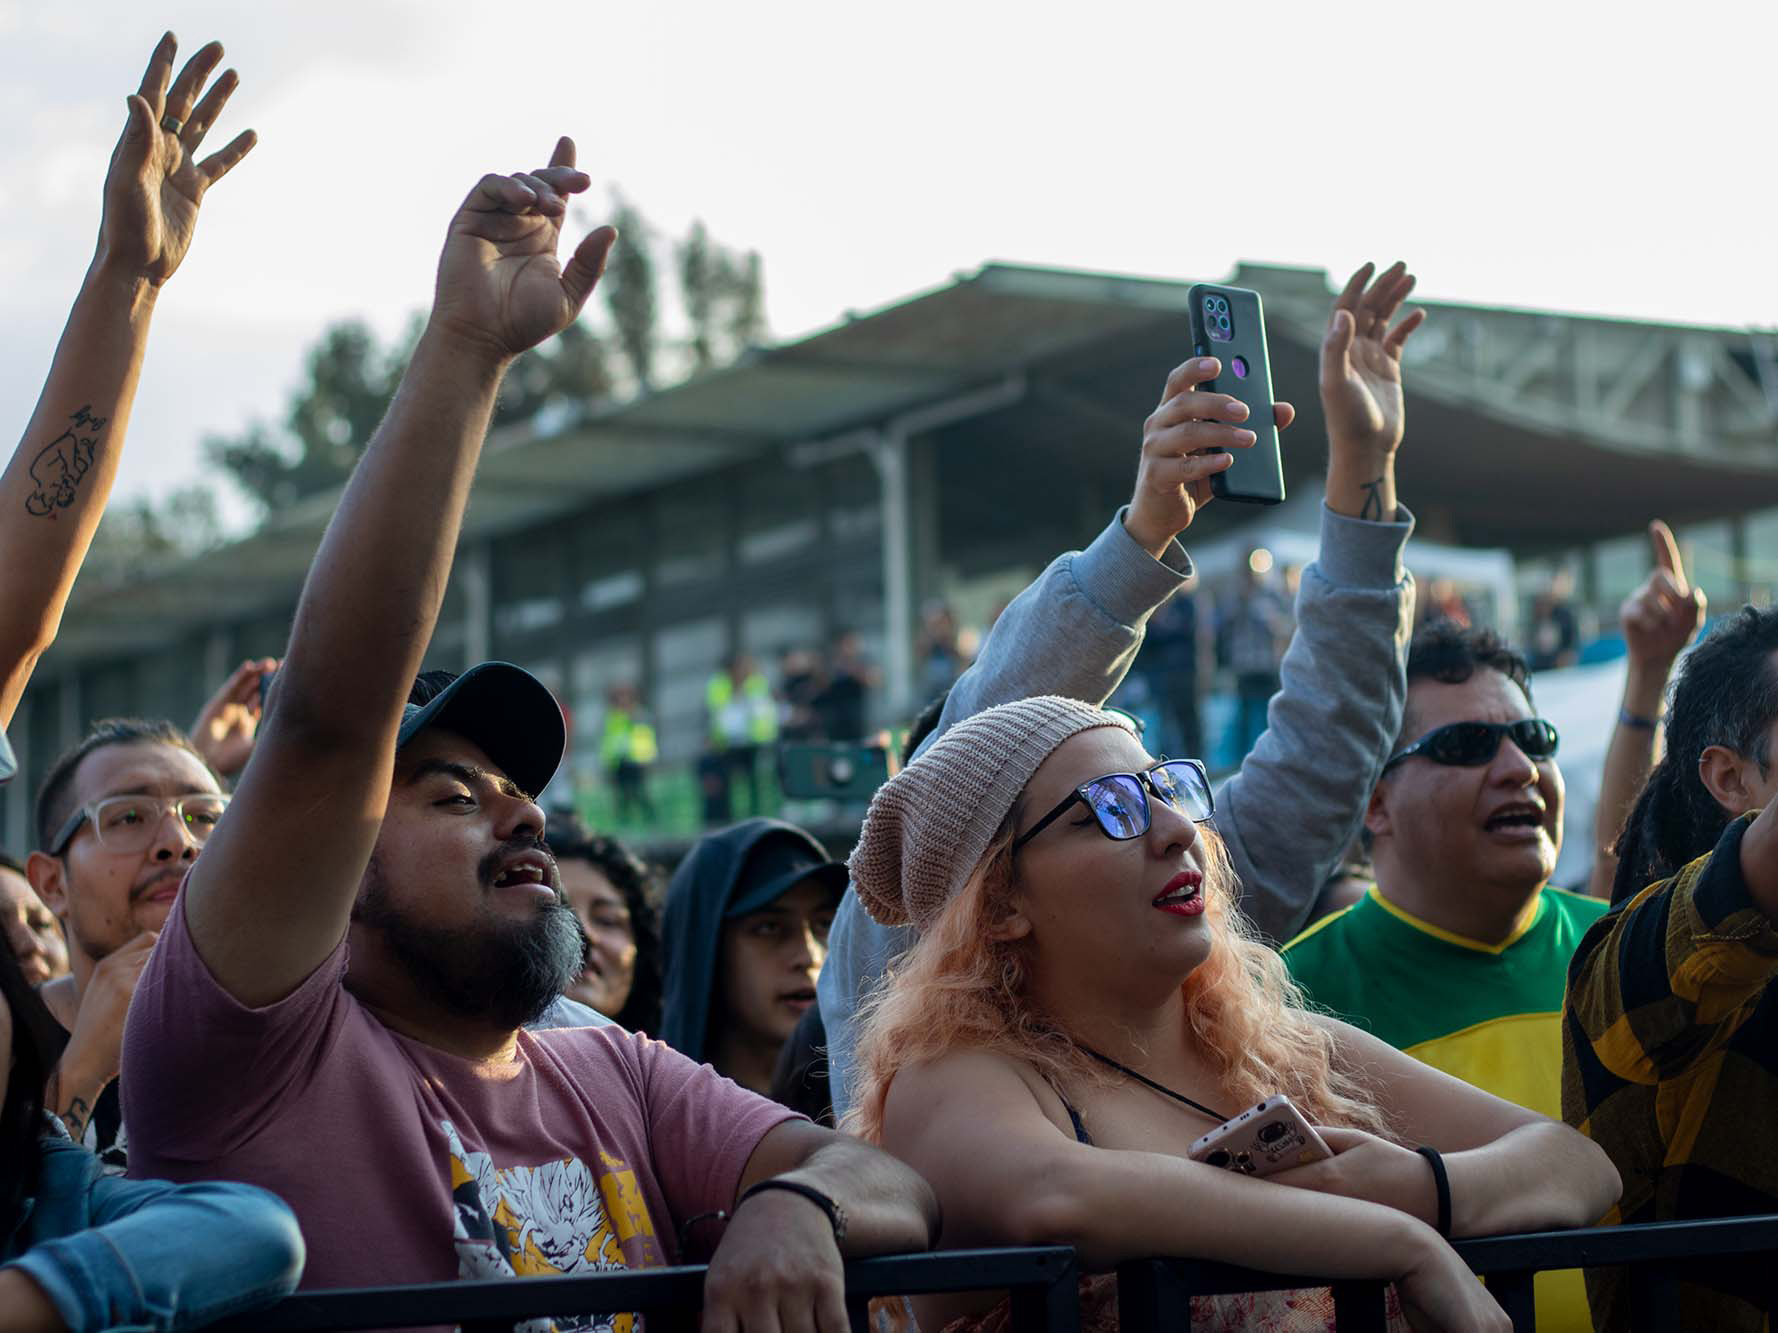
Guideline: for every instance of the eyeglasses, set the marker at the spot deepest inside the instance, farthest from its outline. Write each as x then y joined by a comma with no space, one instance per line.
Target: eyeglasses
1471,744
1120,801
129,823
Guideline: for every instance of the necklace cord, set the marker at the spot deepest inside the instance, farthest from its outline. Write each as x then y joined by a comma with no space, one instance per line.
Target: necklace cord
1147,1082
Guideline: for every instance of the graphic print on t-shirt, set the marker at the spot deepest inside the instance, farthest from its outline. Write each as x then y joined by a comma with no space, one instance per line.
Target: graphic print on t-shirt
526,1221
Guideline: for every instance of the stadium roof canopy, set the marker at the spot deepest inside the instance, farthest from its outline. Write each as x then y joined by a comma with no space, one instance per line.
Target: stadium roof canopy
1529,430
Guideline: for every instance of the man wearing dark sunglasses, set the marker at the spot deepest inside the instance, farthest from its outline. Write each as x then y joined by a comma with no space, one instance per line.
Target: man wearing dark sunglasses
1459,953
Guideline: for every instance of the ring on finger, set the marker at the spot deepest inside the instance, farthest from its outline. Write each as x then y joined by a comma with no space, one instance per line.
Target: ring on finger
171,123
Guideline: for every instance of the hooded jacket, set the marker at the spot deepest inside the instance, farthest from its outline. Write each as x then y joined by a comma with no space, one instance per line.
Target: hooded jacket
711,885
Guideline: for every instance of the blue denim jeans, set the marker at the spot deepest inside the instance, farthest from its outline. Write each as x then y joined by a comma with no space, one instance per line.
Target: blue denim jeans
147,1254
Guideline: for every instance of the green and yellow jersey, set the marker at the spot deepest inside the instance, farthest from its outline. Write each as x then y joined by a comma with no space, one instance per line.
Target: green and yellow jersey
1489,1014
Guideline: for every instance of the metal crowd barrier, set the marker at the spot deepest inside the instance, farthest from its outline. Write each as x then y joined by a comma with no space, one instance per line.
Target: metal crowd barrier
1154,1295
1042,1280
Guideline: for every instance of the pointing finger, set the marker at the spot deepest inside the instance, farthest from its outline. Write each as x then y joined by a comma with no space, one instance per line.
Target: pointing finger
564,154
160,68
1666,551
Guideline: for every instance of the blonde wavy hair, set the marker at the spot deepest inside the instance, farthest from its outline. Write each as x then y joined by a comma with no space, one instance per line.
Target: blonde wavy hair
958,988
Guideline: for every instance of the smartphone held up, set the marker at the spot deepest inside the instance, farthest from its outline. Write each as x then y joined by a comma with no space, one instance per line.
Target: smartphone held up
1228,323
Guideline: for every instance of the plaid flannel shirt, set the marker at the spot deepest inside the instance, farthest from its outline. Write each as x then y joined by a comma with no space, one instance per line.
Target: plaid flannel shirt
1670,1063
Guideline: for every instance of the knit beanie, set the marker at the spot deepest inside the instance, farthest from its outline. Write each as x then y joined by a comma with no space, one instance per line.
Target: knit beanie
929,825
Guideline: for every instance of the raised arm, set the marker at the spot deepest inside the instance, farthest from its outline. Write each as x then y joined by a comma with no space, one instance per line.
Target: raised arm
1296,804
53,491
1658,620
1074,632
271,896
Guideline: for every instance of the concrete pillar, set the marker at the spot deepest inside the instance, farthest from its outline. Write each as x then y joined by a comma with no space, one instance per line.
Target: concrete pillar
889,452
475,566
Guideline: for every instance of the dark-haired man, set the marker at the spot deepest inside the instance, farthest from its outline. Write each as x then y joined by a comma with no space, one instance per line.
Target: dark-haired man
1459,954
335,1007
120,818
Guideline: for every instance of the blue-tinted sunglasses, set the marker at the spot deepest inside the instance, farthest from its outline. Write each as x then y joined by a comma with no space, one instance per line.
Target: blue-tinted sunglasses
1120,801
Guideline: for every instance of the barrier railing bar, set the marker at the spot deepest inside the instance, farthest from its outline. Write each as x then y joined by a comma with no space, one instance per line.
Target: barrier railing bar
1359,1307
1153,1292
1044,1271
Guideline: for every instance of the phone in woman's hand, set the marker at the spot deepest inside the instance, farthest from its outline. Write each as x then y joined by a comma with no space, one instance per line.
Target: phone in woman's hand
1269,1138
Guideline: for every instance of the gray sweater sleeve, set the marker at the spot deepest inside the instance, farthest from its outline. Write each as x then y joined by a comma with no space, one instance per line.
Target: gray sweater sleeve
1298,800
1075,632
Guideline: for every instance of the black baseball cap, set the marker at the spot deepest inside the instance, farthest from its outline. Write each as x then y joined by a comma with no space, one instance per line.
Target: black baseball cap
505,710
779,863
9,764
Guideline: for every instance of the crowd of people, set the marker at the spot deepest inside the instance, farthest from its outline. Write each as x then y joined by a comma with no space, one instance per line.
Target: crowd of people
316,992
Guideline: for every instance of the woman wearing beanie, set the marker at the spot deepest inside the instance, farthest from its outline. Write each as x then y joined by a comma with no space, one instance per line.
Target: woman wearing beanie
1085,1000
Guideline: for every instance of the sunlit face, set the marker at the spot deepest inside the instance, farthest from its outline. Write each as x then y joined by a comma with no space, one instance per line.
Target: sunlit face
460,895
1498,824
770,959
30,930
104,897
1090,906
610,971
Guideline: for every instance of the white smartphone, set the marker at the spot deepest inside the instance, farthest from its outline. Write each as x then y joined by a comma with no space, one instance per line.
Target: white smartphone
1270,1137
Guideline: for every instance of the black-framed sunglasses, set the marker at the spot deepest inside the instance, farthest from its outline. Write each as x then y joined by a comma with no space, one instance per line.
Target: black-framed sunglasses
1471,744
1120,801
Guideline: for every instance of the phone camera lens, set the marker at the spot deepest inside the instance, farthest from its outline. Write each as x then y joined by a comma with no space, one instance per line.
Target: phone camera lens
1209,303
1218,1158
1221,304
1271,1133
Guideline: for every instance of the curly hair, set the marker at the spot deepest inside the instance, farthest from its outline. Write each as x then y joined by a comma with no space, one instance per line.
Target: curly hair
571,840
958,988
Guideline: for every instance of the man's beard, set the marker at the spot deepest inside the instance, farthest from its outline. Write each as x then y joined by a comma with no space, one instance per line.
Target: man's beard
493,971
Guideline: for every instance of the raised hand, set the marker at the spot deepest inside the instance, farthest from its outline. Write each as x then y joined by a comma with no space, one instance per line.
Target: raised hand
499,283
225,729
1173,478
1361,361
155,183
1661,616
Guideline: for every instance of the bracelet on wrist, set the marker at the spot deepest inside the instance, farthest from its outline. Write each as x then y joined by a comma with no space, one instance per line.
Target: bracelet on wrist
836,1216
1635,721
1442,1183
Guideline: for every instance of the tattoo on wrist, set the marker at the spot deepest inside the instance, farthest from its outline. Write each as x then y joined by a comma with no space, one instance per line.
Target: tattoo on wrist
1373,500
75,1118
58,470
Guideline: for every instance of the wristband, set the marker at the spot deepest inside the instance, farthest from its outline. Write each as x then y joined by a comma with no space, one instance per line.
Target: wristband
1636,721
836,1215
1443,1184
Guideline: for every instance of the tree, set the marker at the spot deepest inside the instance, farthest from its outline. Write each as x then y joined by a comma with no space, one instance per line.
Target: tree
349,378
629,287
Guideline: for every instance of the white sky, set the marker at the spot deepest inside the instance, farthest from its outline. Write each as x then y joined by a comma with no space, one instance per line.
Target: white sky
1608,158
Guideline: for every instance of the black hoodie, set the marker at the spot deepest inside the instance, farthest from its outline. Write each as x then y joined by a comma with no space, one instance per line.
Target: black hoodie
726,874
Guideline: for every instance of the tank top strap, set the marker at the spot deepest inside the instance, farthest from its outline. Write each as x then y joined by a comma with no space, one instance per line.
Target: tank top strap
1080,1129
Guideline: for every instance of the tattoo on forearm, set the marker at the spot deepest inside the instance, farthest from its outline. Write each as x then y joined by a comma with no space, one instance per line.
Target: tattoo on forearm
64,461
75,1117
1373,500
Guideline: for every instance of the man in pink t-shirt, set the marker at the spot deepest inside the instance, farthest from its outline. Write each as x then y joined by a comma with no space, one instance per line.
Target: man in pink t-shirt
335,1009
